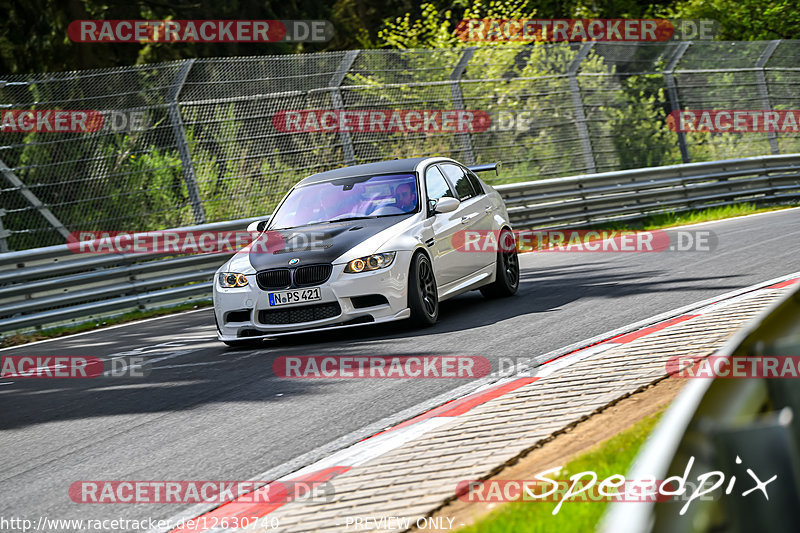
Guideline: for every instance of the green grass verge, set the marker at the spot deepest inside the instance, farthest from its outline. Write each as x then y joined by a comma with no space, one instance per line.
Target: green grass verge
613,456
667,220
60,331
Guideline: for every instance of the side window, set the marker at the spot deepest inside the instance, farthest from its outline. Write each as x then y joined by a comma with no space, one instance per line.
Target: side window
476,183
459,180
436,186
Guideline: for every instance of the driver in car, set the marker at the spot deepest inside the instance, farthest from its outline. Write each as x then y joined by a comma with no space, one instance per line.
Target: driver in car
405,197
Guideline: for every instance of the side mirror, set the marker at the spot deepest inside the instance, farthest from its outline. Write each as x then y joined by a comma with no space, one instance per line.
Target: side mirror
258,226
446,205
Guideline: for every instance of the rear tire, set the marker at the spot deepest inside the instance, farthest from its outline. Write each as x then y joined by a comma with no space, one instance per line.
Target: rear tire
506,280
423,299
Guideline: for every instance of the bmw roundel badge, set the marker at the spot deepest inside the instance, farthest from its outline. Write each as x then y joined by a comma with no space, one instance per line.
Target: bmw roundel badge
294,261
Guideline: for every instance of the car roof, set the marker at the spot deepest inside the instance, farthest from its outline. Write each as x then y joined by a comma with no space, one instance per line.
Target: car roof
381,167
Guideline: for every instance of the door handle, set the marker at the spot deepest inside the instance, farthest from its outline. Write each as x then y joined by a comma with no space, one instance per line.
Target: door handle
489,209
467,218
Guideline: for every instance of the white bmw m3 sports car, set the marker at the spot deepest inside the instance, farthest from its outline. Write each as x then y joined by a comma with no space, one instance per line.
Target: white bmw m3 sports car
367,244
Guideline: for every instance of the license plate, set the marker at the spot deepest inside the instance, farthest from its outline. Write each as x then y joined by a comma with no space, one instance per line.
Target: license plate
294,297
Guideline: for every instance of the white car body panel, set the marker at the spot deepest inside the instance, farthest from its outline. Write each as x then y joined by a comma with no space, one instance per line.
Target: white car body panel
455,271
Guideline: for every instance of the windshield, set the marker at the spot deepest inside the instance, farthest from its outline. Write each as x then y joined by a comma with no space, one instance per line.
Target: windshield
347,198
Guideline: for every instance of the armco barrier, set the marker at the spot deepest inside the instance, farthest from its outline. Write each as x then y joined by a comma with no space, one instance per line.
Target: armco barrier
52,285
630,194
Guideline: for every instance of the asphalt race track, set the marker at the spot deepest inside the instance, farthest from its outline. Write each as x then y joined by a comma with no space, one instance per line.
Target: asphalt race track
209,412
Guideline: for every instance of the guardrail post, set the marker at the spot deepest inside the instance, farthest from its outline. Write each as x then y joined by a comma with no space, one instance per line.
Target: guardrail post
182,144
464,138
672,94
577,104
4,233
338,103
33,200
763,91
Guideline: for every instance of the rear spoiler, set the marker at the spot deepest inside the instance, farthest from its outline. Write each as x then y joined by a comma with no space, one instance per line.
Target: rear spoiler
486,168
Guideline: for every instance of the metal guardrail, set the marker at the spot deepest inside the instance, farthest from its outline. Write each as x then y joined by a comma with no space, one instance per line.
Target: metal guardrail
593,199
51,286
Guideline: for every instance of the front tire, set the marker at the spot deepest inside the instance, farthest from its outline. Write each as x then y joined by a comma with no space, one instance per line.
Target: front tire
423,298
506,280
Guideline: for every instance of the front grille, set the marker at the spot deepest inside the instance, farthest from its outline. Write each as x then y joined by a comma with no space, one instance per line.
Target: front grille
312,275
296,315
277,278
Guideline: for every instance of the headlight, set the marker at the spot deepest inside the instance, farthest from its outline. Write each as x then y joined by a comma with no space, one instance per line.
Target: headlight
229,280
370,262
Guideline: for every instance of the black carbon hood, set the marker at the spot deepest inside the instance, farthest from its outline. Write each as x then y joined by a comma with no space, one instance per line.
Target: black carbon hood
317,243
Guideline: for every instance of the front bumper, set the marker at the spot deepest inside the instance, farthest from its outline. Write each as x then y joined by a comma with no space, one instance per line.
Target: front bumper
237,310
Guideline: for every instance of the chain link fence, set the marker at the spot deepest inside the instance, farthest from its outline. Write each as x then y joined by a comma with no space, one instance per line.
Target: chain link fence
207,148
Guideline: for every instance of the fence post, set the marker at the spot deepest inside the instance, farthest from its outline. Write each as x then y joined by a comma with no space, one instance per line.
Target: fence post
338,103
458,103
672,94
577,104
33,200
183,148
763,91
4,233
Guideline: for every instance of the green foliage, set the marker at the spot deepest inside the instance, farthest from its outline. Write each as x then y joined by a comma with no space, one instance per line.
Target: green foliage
435,28
744,20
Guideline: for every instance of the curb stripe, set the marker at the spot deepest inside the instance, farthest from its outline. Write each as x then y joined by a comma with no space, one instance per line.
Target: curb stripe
465,404
783,284
629,337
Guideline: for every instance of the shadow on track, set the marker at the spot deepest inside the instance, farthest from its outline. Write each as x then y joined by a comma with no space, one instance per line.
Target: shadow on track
222,374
